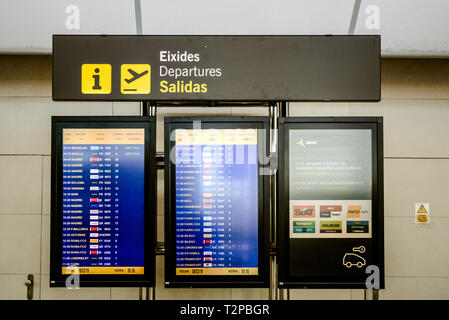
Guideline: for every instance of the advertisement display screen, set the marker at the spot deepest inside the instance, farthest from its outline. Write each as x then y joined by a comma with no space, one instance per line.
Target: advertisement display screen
100,219
331,208
216,214
330,183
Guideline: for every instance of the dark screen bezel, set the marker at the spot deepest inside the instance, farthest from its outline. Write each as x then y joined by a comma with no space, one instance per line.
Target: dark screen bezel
173,280
375,124
57,279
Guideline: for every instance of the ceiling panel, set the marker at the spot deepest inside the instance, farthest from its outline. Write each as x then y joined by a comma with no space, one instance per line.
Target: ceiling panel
411,28
259,17
408,27
27,26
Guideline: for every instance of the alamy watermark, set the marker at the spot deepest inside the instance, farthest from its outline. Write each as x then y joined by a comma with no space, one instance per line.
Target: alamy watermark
229,154
372,282
372,21
72,20
73,280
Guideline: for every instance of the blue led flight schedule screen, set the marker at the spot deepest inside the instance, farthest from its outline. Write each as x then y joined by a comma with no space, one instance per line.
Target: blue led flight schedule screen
103,231
216,182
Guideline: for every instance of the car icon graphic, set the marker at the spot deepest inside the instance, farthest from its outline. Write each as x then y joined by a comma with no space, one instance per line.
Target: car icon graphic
352,259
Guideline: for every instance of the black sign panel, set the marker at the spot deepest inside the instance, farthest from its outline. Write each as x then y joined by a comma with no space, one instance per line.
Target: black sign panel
224,68
330,202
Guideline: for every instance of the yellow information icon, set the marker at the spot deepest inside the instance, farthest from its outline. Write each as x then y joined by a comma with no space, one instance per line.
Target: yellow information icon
96,78
135,78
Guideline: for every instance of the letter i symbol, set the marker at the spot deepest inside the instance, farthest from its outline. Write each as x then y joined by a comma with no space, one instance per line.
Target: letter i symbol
90,78
96,79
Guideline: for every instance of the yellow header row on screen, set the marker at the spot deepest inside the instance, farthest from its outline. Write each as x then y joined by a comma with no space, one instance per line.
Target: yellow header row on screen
103,136
217,271
104,270
216,136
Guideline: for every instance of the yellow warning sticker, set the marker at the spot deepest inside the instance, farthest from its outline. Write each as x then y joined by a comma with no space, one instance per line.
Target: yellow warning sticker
422,218
422,209
135,78
422,212
96,78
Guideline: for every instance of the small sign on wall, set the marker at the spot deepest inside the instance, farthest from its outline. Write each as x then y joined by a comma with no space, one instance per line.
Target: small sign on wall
422,212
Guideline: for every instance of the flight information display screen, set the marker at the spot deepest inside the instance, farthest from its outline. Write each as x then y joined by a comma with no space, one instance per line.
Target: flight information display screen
102,230
216,197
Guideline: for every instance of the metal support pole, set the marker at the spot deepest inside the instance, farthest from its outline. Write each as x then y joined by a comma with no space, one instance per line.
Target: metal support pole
271,293
273,115
281,294
144,108
160,251
371,294
147,109
283,111
29,283
142,113
152,109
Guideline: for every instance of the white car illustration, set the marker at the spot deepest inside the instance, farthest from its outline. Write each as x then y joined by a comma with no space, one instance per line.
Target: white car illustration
352,259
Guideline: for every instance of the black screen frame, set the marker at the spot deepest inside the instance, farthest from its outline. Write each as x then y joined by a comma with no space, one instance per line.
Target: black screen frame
57,279
225,281
286,280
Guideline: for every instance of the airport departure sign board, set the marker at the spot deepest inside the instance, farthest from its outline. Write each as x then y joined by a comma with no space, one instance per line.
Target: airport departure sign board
101,225
216,68
331,225
215,221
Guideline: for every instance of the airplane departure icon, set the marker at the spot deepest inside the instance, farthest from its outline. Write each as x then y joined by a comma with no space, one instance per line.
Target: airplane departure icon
135,78
135,75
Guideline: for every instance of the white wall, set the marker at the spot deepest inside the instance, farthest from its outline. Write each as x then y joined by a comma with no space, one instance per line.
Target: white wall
415,107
